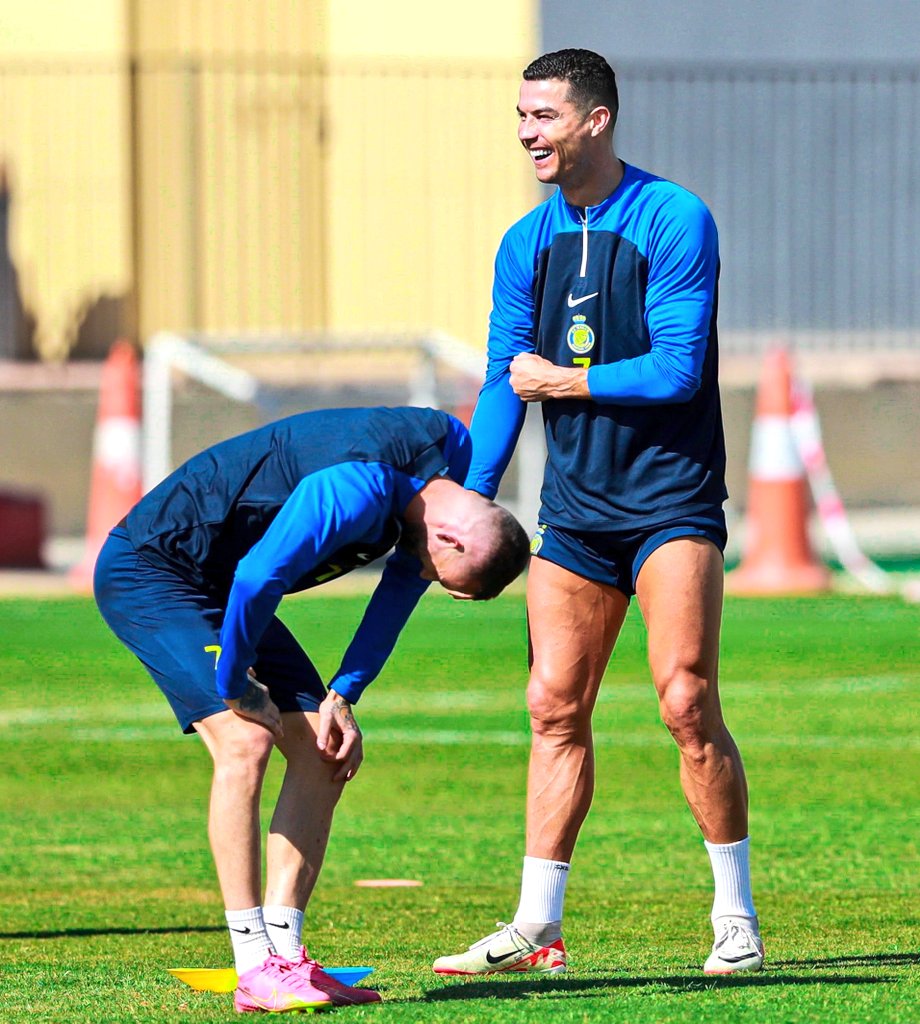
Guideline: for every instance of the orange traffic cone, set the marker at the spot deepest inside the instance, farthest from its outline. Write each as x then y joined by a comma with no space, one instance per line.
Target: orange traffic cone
116,481
777,557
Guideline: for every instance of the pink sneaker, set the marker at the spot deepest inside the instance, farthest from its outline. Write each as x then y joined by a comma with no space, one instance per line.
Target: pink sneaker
275,987
341,995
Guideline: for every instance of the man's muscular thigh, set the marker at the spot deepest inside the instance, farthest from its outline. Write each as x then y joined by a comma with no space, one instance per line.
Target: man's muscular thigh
679,589
573,624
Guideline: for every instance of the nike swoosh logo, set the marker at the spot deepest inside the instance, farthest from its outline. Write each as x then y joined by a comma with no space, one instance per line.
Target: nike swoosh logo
504,956
573,302
735,959
271,924
242,931
266,1004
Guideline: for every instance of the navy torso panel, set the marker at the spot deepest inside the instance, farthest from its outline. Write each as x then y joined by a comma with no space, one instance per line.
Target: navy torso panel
203,518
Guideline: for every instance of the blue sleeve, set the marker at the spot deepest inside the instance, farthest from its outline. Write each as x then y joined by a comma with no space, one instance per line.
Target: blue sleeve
458,450
388,610
327,510
683,268
499,413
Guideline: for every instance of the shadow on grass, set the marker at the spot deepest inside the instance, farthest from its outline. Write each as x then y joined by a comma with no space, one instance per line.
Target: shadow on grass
82,933
865,960
510,988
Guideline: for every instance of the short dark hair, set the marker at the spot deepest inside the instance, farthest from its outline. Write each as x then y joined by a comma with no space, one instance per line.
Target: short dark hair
590,78
508,557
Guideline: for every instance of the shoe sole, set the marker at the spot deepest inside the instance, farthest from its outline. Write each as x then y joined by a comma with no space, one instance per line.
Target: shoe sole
506,970
316,1007
742,969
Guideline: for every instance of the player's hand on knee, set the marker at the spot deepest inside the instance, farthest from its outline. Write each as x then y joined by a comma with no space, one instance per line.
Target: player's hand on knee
339,738
257,706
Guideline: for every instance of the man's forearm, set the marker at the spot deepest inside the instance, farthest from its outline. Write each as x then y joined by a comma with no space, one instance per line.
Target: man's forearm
535,379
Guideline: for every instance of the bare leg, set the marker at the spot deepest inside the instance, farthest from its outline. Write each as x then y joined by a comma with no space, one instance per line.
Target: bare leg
573,625
300,825
680,593
240,750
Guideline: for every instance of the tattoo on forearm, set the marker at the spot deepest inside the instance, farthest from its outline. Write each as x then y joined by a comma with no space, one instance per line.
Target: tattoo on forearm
253,698
343,711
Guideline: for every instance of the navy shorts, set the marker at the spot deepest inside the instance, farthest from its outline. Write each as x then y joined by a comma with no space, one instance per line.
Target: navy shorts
174,629
615,557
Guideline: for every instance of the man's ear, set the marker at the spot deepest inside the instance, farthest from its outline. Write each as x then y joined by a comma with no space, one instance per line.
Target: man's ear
450,539
600,118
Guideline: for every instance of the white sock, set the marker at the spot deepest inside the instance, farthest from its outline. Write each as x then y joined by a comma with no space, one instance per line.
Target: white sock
731,873
542,897
284,926
251,944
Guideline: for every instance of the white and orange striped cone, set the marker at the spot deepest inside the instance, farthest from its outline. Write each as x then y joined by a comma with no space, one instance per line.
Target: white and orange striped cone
777,557
116,479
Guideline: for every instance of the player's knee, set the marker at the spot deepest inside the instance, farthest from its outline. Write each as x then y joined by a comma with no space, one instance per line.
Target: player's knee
553,712
243,758
684,710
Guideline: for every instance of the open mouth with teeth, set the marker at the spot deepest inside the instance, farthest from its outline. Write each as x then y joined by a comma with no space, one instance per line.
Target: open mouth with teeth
538,155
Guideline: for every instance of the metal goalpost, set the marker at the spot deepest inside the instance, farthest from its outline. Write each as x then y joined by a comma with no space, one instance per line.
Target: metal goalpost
430,369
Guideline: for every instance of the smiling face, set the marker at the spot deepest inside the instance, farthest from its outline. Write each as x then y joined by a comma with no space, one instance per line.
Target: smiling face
568,146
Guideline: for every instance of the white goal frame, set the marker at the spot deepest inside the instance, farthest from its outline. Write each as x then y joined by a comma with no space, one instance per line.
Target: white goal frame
205,360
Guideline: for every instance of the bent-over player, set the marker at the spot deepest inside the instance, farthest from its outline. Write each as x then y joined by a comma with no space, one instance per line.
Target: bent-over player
190,581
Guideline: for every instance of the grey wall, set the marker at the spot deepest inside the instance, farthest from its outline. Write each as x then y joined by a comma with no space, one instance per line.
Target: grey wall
716,30
801,130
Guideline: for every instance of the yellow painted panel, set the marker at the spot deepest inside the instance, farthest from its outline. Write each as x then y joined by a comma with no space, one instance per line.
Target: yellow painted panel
231,196
45,28
165,173
420,29
63,135
231,27
421,186
273,191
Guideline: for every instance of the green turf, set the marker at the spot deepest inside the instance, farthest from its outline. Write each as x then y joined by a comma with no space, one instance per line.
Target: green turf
106,879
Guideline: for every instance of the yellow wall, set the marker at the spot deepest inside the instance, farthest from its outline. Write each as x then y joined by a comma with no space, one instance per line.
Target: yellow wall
341,164
63,125
424,170
230,27
424,175
48,28
475,30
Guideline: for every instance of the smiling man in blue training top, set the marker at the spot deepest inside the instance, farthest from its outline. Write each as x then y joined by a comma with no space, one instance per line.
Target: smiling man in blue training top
604,311
190,581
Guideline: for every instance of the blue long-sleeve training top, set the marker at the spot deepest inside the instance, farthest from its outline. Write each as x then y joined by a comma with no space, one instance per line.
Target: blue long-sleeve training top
627,289
293,505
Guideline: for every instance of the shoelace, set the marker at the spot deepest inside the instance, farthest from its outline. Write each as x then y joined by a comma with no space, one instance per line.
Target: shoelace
503,928
734,933
277,965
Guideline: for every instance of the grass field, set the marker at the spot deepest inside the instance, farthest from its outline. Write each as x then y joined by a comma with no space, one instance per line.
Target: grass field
106,879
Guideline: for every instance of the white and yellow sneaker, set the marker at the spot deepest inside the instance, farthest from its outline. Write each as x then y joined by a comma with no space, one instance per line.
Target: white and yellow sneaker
738,947
504,952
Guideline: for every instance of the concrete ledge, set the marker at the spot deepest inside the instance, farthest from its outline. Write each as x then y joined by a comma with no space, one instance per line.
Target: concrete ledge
857,369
